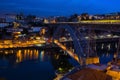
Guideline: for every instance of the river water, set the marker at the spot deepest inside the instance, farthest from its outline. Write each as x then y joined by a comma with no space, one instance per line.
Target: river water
34,64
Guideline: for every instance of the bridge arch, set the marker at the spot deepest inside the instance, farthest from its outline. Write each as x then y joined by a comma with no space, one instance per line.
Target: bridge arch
75,35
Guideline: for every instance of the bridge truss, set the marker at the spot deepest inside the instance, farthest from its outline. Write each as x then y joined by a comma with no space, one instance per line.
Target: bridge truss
83,36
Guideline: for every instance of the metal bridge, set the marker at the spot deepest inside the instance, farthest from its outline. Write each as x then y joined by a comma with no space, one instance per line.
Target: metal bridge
78,31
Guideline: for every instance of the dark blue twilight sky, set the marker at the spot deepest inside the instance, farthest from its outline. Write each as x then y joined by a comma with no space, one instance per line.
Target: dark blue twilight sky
59,7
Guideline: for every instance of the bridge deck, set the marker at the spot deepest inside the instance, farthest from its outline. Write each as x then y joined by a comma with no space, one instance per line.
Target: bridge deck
104,25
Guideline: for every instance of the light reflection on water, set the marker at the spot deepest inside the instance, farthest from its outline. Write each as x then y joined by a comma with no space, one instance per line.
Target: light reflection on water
23,55
25,64
33,64
42,55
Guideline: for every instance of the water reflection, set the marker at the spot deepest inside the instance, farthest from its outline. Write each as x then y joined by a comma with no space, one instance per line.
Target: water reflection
42,55
27,54
26,64
34,64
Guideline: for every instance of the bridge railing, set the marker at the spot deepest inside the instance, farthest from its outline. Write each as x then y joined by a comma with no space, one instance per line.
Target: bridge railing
101,21
89,22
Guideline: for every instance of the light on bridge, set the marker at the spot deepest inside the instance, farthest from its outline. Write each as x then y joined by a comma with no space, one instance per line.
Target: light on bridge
109,35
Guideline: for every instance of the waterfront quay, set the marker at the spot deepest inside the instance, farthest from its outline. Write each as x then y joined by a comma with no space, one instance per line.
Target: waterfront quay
20,44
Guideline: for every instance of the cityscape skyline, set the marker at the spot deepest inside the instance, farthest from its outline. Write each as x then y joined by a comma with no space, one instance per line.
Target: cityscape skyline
59,8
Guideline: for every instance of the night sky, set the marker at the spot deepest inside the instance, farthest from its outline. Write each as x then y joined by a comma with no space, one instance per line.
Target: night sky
59,7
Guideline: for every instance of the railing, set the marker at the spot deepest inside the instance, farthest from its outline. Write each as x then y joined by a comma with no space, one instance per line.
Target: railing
89,22
101,21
